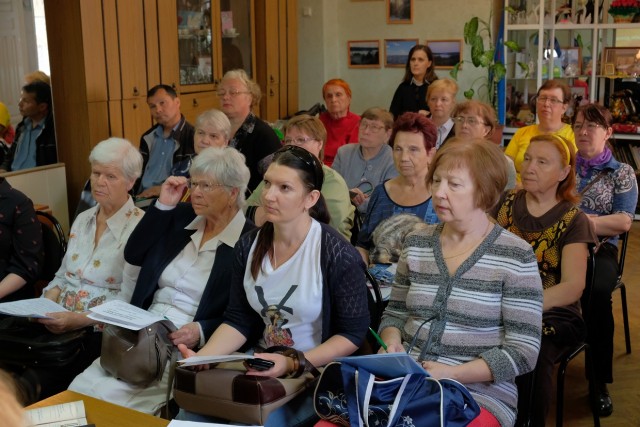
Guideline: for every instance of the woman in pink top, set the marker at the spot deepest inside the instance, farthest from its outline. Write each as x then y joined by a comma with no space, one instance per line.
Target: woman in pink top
341,124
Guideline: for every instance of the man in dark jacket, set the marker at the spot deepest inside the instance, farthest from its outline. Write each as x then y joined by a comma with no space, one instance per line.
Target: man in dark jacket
35,142
168,142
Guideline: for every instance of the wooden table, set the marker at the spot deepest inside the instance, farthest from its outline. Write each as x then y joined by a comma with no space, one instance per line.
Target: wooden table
104,414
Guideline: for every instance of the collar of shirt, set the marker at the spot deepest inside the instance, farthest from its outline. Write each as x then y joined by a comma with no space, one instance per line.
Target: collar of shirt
444,130
415,82
229,235
160,130
117,222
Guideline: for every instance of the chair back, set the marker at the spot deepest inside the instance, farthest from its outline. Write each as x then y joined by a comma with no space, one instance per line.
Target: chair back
622,246
54,245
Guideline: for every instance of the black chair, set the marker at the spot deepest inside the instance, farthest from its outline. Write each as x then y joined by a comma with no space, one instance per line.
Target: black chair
624,238
526,389
54,245
376,308
571,354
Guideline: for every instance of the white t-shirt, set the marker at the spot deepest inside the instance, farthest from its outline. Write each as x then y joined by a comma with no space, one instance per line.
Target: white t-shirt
289,299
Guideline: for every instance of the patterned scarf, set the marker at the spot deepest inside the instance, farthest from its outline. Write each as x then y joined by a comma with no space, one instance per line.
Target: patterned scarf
583,165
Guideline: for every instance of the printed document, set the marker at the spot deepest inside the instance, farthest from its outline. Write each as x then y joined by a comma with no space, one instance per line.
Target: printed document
33,307
63,415
123,314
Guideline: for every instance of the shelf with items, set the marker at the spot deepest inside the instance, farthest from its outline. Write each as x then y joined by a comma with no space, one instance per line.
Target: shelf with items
568,42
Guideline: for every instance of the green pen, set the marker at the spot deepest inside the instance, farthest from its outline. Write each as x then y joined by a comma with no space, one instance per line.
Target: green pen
377,337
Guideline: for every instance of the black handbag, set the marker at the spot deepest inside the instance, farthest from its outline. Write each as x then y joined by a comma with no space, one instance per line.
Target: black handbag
30,344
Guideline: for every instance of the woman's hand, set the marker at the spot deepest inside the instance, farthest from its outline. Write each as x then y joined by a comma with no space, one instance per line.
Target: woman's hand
189,335
392,347
439,370
357,196
64,321
172,190
186,353
283,365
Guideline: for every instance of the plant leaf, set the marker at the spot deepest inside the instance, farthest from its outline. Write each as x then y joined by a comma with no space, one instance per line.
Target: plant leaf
469,93
513,46
477,51
511,10
486,59
454,71
499,71
524,67
470,29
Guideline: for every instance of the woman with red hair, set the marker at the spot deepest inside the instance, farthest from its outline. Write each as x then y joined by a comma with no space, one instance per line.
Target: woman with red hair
340,123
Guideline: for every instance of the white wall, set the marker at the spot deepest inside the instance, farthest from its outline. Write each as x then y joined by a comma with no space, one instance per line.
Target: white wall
323,37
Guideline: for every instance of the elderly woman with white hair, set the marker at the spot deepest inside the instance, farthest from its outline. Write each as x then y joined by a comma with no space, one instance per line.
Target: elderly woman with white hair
251,136
93,268
212,129
185,251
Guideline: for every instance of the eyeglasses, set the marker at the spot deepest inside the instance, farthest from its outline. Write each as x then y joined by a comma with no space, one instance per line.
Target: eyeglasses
368,125
589,126
552,101
205,186
231,92
307,158
472,121
298,141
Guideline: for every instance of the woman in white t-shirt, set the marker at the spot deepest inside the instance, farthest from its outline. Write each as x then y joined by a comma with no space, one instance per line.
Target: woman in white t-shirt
296,282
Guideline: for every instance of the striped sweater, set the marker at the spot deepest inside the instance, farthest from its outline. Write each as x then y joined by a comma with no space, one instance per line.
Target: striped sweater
491,308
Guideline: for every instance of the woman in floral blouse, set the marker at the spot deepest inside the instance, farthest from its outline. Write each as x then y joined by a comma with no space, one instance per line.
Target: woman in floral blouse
93,268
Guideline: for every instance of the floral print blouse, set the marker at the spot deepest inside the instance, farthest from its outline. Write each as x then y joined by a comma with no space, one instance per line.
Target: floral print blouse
92,274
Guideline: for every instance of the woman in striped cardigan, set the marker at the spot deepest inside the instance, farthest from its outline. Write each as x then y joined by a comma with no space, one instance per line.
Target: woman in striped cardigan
467,297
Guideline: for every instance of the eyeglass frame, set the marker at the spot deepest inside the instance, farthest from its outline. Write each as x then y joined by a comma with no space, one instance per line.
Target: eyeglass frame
552,101
298,141
461,119
205,187
370,126
220,93
591,126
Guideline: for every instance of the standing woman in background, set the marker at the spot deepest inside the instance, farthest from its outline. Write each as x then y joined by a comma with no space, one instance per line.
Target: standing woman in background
419,73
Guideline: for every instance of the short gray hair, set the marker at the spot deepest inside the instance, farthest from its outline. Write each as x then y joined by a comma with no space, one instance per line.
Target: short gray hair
120,152
224,165
252,87
217,119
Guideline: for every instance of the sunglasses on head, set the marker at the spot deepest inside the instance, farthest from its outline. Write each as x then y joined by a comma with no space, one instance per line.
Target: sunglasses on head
308,159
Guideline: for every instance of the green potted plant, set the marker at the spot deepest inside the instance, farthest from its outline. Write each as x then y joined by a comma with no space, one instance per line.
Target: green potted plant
476,32
624,10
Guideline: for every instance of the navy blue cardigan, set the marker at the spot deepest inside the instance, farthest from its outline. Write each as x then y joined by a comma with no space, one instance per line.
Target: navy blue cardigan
157,240
345,309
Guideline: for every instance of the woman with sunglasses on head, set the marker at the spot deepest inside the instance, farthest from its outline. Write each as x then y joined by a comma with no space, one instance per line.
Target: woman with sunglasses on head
544,213
552,102
299,271
309,133
184,253
368,163
609,196
466,297
475,119
419,73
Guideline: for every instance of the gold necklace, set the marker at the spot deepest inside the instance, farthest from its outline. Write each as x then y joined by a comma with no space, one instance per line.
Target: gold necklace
475,244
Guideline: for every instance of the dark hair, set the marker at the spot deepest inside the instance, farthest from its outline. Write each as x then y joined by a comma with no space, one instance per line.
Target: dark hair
416,123
170,91
41,92
594,113
311,173
431,73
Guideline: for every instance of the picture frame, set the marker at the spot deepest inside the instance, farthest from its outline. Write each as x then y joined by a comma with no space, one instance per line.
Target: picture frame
396,52
622,58
363,53
399,11
572,56
446,53
609,69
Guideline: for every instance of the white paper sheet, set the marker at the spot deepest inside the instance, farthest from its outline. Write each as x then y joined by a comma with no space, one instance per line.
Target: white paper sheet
123,314
177,423
203,360
63,415
34,307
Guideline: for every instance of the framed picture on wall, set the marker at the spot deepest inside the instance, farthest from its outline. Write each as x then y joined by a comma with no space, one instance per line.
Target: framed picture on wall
396,51
399,11
622,58
571,56
446,53
364,53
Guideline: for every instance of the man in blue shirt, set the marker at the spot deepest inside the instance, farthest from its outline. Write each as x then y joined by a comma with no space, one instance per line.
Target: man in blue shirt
35,142
168,142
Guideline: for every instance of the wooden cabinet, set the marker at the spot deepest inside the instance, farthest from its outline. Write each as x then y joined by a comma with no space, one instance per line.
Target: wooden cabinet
106,54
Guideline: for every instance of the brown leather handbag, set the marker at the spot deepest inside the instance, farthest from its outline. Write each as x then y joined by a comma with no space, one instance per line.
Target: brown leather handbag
137,357
226,392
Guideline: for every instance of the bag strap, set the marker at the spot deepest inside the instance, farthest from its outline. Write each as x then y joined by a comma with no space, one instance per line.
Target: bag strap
300,362
173,363
593,181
